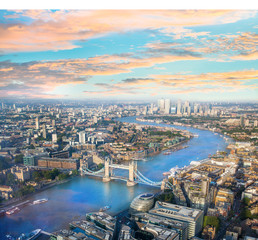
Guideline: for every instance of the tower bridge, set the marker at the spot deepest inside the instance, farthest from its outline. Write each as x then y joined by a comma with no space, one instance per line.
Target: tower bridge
134,175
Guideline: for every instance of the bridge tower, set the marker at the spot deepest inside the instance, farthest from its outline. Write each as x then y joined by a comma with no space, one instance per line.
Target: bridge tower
107,172
132,170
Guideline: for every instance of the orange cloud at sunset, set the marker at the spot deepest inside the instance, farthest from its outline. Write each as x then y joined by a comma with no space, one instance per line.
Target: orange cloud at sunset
56,30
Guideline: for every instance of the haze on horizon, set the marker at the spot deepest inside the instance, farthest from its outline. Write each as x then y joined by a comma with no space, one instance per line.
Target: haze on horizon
203,55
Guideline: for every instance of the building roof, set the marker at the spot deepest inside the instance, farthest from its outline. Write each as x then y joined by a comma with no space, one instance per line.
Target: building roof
169,209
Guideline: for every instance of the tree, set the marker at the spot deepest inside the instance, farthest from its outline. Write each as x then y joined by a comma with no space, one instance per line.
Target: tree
63,176
24,191
55,172
246,201
245,213
3,163
10,179
31,146
47,175
18,158
37,176
75,172
211,220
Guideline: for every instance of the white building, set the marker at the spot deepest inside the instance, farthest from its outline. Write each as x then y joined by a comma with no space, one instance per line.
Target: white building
161,104
37,123
54,137
82,137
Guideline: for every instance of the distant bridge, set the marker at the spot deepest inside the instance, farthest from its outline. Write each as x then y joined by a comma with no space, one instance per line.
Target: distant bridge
134,176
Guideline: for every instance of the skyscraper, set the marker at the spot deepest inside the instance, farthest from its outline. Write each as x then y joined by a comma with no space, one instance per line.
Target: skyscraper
37,123
161,104
167,106
82,137
44,131
179,106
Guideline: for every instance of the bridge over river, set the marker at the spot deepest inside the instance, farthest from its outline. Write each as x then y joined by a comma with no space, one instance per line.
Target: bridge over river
134,175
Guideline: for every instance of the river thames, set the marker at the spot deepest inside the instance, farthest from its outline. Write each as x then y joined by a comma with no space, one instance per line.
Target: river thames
74,199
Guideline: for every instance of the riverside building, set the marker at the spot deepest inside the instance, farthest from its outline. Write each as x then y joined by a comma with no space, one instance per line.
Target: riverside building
142,203
193,217
177,226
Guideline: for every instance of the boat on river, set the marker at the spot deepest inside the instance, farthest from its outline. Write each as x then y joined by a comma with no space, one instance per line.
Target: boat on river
40,201
32,235
12,210
167,153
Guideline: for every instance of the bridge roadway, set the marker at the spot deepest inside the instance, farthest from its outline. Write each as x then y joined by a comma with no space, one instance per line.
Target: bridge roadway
120,166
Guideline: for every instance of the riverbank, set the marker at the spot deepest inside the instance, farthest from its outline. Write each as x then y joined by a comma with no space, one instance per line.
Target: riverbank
183,133
13,202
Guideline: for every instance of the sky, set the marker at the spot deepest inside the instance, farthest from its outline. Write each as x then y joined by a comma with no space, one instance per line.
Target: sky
199,55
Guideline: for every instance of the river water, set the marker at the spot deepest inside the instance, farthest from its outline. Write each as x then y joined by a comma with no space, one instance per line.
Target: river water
74,199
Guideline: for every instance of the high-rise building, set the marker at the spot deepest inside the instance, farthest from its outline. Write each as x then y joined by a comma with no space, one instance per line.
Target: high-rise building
37,123
178,109
186,107
167,106
53,123
205,187
193,217
189,110
54,137
161,104
44,131
196,108
82,137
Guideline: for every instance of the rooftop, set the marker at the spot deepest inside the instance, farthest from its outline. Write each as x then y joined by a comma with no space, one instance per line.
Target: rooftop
173,209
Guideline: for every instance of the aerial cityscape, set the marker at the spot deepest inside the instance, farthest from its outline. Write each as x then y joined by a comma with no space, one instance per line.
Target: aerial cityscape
128,124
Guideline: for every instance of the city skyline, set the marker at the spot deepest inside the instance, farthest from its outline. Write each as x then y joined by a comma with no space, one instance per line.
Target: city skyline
203,55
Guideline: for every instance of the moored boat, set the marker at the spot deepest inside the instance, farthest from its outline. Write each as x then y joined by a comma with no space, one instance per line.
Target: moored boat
40,201
167,153
12,210
32,235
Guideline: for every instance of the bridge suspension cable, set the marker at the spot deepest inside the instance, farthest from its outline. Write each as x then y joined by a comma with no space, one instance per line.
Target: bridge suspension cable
92,172
146,180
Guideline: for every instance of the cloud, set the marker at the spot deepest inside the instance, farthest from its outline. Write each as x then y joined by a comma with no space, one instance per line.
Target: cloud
181,84
235,79
56,30
50,74
246,56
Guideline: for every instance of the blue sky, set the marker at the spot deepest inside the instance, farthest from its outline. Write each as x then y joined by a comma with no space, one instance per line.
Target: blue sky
129,54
